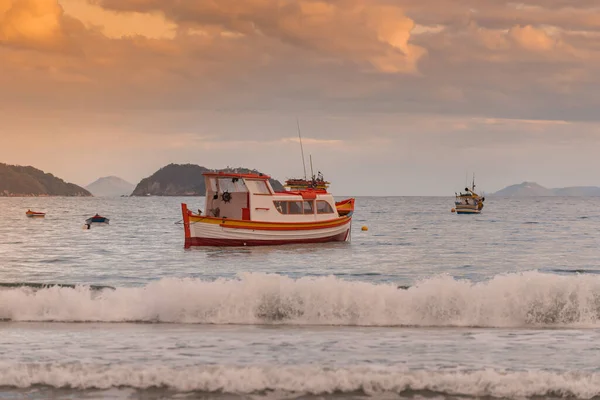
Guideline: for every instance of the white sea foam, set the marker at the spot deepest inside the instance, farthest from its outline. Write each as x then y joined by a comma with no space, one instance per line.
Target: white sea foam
511,300
305,380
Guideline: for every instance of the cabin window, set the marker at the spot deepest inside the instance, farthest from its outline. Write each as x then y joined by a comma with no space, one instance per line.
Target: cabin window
258,187
213,184
232,185
294,207
324,207
308,207
280,206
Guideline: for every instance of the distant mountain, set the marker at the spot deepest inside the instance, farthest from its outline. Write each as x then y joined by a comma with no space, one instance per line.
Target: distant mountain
523,190
578,191
529,189
16,181
183,180
110,186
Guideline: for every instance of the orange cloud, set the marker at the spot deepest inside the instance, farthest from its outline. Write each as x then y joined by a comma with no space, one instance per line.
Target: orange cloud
371,33
120,24
395,74
32,24
531,38
352,55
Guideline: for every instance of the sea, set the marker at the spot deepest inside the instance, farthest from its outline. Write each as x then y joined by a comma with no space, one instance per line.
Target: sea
421,304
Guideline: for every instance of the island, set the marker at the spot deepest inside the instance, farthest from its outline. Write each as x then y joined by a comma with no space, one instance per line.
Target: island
530,189
184,180
110,186
19,181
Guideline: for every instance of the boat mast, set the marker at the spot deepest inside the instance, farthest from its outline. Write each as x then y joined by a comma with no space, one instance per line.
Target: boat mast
312,174
301,148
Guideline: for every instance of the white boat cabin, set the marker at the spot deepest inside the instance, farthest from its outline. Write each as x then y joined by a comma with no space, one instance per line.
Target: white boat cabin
250,197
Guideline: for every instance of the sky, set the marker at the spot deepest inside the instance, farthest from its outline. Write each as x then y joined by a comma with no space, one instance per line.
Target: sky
393,97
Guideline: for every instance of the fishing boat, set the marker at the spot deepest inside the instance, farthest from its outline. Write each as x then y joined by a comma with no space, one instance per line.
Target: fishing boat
244,210
468,202
35,214
97,219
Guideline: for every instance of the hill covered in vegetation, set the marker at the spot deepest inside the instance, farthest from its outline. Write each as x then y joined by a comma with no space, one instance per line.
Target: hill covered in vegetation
17,181
184,180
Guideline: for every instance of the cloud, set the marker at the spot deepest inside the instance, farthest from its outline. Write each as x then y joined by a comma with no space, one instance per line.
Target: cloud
472,57
531,38
315,141
117,25
371,33
33,24
495,121
405,83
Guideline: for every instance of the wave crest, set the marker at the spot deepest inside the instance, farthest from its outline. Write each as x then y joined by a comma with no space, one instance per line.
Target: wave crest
304,380
511,300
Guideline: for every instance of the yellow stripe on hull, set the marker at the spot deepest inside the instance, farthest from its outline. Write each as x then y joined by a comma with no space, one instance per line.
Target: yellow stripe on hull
224,222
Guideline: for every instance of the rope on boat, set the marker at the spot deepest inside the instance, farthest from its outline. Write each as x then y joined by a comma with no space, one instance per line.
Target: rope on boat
180,222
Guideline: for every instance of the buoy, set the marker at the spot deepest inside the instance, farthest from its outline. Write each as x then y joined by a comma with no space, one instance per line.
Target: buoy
364,228
453,210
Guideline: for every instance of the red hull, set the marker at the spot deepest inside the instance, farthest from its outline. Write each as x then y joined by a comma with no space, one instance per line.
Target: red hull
196,241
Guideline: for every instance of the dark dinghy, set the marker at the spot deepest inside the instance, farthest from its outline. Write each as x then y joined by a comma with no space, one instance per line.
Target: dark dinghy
96,219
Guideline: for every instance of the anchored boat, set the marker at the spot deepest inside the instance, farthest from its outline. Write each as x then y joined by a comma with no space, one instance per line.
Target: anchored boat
244,210
97,219
35,214
468,202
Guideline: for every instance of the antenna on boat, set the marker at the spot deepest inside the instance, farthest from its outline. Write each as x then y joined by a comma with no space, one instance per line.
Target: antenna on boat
301,148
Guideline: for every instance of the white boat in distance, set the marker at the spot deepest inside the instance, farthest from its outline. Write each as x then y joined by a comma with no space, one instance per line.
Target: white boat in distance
468,202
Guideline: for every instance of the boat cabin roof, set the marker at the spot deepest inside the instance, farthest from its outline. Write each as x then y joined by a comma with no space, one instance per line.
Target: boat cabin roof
236,175
304,192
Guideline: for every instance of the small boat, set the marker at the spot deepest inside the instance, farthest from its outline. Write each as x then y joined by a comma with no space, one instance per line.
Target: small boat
345,207
96,219
468,202
35,214
244,210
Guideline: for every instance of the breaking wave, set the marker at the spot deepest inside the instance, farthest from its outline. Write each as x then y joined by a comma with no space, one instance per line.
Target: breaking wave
511,300
307,380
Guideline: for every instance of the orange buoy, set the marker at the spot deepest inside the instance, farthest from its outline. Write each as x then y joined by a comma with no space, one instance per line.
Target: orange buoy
364,228
453,210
